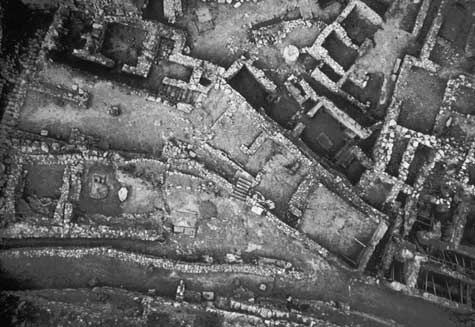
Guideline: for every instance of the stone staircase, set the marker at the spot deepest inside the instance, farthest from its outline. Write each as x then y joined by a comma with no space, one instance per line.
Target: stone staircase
241,188
176,94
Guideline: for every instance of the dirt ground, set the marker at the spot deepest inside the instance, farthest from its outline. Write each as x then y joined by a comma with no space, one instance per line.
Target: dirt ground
278,182
44,181
335,224
423,94
138,128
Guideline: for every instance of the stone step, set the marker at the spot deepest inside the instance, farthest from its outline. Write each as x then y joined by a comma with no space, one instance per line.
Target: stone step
241,197
241,188
245,184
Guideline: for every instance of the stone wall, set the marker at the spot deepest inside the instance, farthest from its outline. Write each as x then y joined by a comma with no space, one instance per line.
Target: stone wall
172,9
145,261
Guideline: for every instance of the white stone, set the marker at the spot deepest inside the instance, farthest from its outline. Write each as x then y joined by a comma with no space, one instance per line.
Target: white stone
44,147
232,258
258,210
291,53
123,193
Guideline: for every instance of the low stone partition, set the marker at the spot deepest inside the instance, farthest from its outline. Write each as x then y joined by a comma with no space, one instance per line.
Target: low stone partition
158,263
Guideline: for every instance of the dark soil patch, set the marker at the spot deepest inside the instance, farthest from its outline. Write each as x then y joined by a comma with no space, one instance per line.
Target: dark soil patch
330,72
307,61
469,230
421,157
176,71
208,210
323,133
339,51
154,10
358,27
423,94
370,93
471,175
78,23
110,205
399,147
354,171
44,181
455,131
282,110
456,25
436,179
446,55
20,23
368,144
379,6
408,22
465,101
378,194
123,43
249,88
375,262
325,3
208,319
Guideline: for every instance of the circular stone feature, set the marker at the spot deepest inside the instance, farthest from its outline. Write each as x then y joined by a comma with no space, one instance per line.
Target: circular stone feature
291,53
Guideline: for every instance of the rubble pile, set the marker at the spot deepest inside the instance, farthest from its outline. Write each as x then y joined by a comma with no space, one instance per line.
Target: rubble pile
275,34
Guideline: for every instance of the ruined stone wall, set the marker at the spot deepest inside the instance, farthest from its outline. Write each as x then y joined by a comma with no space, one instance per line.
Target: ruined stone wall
20,77
172,9
273,316
268,36
50,41
431,37
159,263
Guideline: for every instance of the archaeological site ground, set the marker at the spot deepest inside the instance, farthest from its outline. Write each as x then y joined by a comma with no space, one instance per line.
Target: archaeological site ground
221,163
